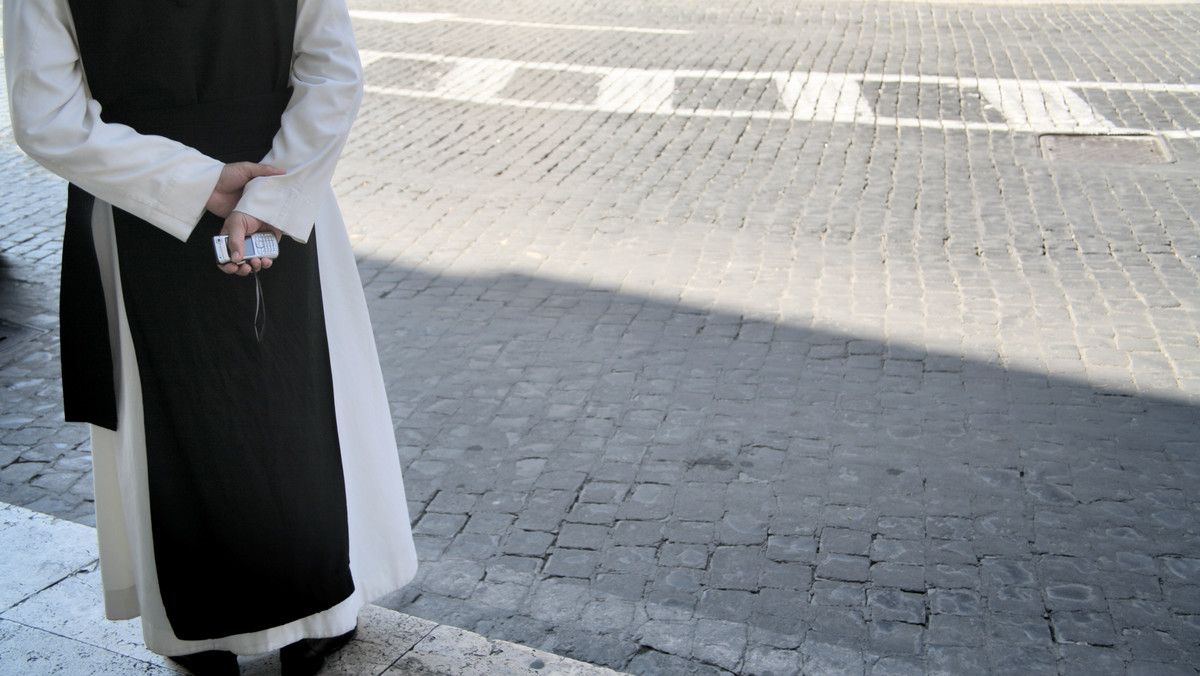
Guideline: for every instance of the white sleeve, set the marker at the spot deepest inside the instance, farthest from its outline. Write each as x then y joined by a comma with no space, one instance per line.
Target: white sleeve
327,89
58,124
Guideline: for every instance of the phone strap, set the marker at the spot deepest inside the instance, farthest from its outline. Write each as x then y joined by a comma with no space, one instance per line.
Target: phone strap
260,310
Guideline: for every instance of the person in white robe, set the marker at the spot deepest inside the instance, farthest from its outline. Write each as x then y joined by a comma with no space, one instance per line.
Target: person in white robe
169,185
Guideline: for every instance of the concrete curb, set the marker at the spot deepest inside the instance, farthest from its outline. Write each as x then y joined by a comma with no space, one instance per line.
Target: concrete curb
51,622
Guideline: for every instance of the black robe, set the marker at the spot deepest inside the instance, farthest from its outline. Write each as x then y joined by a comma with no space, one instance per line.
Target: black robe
247,500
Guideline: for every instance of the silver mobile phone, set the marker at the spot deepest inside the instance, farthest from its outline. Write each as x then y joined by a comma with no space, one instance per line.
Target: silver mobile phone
258,245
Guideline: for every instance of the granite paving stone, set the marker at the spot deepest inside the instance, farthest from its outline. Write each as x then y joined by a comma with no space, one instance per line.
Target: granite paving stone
759,337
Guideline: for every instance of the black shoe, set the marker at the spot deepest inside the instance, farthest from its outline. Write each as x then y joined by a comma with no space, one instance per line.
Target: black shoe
209,663
307,656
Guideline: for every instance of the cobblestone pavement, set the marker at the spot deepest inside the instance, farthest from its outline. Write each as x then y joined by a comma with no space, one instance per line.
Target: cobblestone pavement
763,337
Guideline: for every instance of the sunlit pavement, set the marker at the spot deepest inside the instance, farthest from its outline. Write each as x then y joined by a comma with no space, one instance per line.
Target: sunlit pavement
763,337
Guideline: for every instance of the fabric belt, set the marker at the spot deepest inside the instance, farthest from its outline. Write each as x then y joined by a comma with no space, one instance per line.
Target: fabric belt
230,130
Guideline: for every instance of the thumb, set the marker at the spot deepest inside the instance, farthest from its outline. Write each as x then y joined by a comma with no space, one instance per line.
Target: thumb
254,170
235,227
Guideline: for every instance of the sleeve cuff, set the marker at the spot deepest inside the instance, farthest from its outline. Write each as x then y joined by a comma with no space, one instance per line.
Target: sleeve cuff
192,198
285,208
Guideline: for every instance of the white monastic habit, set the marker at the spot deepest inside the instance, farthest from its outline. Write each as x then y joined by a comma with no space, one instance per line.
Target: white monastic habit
56,122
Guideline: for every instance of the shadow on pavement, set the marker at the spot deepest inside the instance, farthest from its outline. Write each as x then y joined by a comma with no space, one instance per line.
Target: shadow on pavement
651,486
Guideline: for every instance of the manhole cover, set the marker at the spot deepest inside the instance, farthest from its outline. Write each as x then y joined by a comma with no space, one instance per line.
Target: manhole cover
11,334
1131,148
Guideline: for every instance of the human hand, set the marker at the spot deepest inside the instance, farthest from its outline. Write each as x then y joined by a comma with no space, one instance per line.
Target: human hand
237,226
233,180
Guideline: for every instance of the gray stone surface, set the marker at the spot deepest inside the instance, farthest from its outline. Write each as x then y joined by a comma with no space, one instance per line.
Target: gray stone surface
35,652
761,336
25,571
52,622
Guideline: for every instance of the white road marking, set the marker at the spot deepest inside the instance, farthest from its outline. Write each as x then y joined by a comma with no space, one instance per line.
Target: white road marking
413,17
636,91
825,97
399,17
479,80
1031,106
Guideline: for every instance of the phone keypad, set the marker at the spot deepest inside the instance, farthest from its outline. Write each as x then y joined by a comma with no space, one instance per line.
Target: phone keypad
264,245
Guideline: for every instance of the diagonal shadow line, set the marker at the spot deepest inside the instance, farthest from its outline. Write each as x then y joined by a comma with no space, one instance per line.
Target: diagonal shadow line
603,448
534,406
528,408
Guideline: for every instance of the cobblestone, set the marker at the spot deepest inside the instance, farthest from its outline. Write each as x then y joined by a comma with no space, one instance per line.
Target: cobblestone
759,337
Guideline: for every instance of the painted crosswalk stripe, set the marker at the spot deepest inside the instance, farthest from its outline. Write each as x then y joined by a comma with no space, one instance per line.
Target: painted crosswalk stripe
429,17
1031,106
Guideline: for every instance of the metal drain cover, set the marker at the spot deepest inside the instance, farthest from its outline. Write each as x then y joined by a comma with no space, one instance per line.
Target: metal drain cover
1128,148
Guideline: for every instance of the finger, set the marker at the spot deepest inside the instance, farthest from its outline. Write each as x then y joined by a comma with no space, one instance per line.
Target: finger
249,170
265,263
268,170
237,238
